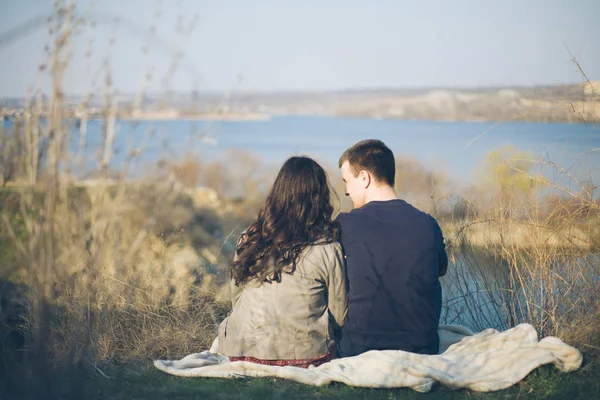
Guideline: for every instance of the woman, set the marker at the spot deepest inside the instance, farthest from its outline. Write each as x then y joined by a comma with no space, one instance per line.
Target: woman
288,277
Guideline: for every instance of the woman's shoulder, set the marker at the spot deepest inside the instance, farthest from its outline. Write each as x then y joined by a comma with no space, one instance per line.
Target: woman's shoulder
323,249
330,244
326,243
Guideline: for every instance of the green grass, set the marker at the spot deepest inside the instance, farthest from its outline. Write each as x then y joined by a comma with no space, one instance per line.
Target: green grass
143,381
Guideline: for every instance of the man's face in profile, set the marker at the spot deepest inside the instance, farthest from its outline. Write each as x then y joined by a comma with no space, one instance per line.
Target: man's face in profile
354,185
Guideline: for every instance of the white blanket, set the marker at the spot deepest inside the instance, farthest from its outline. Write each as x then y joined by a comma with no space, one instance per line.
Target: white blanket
487,361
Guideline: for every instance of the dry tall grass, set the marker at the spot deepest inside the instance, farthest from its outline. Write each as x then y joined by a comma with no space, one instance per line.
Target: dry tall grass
528,257
98,270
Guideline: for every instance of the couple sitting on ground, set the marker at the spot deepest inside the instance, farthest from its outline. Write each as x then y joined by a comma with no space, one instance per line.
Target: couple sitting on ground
306,288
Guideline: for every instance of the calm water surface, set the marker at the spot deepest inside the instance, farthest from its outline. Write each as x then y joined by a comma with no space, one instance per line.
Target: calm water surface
457,148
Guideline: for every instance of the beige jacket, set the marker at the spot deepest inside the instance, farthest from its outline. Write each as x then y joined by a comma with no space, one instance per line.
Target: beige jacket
297,318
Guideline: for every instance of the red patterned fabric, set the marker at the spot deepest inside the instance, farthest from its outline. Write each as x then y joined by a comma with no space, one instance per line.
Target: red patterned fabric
294,363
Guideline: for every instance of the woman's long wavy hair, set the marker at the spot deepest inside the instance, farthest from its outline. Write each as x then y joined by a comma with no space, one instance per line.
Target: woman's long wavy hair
296,214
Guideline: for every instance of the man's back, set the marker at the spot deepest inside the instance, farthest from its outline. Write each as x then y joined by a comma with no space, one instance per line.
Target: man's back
395,255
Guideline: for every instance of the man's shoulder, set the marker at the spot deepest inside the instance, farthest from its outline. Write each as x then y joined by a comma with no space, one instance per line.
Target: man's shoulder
351,217
384,211
411,209
354,225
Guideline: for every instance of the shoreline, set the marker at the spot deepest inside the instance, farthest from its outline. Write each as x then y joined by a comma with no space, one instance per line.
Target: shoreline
268,117
199,117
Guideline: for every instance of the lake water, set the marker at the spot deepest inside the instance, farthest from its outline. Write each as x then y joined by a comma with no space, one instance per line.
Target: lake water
456,148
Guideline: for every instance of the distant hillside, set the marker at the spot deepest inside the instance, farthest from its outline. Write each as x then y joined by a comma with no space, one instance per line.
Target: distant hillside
564,103
552,103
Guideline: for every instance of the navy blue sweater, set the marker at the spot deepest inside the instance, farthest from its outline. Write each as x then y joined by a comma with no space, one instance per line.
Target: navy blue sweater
394,257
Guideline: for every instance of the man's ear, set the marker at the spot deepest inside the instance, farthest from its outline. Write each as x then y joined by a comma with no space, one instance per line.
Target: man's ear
365,178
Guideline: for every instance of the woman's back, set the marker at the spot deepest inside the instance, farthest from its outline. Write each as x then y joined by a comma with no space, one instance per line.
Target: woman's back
296,318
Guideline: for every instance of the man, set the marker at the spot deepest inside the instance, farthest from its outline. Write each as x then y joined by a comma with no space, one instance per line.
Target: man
395,255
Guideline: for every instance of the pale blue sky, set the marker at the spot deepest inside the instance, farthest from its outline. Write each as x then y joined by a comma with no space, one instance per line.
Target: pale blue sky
315,45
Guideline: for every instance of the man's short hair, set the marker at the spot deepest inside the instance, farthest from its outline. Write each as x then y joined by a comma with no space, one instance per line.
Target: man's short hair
374,156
